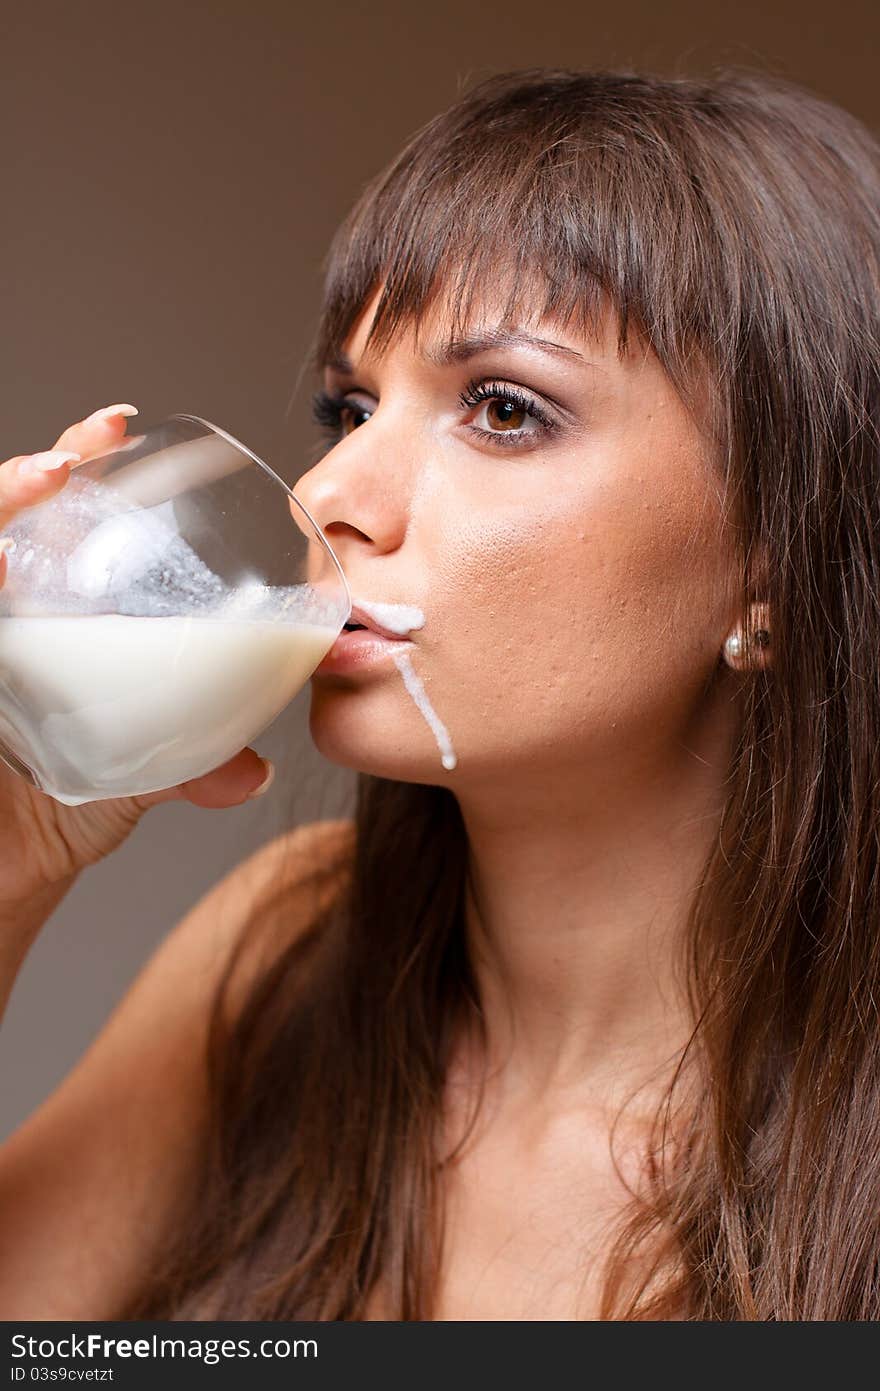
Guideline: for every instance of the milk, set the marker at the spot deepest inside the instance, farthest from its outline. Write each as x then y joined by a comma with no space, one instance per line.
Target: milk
416,689
403,619
110,705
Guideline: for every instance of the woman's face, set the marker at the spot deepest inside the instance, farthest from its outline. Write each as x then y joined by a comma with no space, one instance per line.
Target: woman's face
554,513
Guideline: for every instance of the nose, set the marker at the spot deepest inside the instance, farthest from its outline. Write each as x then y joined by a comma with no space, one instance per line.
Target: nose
357,496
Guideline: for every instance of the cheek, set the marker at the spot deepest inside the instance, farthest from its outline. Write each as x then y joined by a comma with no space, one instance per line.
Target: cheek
587,607
498,586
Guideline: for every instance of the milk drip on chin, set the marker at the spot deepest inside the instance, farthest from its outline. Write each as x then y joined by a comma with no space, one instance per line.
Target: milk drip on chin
413,684
402,619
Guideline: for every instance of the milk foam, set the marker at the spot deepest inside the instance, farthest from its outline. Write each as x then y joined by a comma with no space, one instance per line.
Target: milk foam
397,618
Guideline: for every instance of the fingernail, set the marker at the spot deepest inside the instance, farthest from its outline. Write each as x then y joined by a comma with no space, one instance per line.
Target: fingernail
47,460
267,781
6,543
107,411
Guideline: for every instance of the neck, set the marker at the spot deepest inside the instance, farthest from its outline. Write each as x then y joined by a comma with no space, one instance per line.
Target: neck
576,914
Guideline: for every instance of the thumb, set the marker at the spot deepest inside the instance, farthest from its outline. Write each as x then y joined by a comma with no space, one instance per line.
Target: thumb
233,783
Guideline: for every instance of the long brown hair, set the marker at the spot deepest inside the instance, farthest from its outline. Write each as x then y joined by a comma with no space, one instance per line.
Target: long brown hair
735,221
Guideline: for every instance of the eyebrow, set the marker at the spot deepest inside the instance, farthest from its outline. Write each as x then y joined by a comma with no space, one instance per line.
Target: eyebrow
456,350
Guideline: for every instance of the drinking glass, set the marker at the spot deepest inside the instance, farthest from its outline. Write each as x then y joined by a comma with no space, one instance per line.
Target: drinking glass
158,613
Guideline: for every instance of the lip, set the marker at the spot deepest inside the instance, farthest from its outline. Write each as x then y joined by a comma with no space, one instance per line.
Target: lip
359,650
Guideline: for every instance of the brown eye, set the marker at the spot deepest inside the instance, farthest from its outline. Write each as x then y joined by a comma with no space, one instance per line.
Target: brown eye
355,415
334,413
507,414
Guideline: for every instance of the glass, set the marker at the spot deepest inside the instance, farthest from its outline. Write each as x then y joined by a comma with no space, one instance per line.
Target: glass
158,614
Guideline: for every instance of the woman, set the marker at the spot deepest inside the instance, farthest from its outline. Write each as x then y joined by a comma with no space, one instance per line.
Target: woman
585,1025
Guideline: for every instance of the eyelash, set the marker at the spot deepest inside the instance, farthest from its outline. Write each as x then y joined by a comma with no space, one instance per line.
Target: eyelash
475,392
327,409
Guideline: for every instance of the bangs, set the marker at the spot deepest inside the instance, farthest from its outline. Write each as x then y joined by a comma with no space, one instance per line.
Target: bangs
424,255
552,197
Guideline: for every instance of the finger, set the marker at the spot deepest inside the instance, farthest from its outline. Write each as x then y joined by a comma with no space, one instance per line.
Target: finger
20,488
98,431
229,785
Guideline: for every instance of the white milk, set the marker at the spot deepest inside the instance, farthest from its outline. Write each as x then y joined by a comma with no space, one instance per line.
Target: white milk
415,687
403,619
110,705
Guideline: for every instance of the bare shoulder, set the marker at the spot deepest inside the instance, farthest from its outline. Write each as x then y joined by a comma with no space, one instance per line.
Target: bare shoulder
115,1146
318,850
316,853
268,900
293,874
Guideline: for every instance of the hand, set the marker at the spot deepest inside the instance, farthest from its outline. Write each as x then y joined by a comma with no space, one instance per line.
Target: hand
42,841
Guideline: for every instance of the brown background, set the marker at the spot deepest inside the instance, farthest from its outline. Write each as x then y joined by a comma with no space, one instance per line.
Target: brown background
171,177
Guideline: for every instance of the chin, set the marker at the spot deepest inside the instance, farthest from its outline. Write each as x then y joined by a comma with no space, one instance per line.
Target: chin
365,750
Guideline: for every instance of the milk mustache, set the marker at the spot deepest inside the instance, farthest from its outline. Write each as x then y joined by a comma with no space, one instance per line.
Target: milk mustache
112,705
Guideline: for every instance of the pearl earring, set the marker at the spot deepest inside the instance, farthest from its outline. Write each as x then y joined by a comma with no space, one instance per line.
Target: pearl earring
733,646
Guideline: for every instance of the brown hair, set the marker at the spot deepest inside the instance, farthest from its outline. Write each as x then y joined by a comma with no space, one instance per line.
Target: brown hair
734,221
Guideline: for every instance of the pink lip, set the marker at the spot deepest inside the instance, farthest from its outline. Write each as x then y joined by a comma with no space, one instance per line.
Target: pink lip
357,650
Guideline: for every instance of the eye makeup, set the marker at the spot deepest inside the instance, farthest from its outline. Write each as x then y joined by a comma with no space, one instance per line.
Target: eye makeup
329,410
